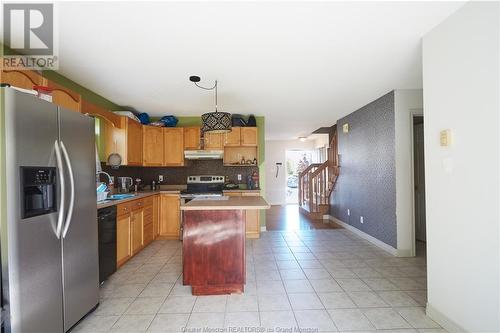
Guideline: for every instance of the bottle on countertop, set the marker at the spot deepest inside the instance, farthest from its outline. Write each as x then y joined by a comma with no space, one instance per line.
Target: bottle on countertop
153,186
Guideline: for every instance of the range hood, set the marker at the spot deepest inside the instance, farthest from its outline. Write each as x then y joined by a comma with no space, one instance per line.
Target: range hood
203,154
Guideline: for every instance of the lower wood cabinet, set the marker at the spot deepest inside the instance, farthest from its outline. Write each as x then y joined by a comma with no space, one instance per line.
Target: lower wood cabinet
169,223
252,216
123,227
135,226
137,230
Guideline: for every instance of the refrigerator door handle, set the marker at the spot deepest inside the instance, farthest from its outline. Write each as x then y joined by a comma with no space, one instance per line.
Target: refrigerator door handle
72,190
62,186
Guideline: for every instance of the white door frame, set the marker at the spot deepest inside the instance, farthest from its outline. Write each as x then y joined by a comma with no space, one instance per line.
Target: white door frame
413,113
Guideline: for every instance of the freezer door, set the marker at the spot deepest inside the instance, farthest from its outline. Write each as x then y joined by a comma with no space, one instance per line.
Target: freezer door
80,244
31,252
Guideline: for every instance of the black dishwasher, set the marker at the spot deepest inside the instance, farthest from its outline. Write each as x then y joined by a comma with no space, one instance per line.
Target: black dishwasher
106,220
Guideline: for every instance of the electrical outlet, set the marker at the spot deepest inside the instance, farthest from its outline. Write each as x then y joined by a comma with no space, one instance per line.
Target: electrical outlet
239,177
348,212
361,219
160,178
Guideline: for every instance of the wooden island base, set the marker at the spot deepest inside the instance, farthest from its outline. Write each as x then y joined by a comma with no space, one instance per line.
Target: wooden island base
214,251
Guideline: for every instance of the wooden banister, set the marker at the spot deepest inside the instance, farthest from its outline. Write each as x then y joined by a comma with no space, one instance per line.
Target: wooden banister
317,181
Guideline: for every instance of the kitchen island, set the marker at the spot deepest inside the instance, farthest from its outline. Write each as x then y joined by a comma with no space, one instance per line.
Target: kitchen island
214,243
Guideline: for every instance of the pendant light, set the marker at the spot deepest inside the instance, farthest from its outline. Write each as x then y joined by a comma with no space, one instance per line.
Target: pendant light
213,122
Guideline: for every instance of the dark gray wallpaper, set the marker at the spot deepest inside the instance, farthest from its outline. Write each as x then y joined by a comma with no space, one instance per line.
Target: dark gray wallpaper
367,181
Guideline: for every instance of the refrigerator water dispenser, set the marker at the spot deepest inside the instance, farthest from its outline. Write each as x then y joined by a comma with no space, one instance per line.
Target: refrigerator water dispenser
38,191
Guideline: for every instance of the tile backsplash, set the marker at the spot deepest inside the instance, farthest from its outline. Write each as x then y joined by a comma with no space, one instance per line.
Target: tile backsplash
178,175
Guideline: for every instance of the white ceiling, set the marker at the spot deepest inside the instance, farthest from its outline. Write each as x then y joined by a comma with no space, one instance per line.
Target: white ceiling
301,65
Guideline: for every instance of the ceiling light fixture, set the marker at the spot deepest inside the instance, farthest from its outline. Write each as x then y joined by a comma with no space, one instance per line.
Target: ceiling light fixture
302,138
214,122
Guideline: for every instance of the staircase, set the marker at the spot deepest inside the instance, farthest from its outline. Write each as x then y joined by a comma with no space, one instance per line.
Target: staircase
317,181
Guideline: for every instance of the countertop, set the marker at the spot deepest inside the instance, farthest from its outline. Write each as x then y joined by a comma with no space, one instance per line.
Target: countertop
138,195
232,203
242,191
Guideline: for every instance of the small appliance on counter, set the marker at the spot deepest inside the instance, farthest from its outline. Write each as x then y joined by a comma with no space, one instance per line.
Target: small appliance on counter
125,184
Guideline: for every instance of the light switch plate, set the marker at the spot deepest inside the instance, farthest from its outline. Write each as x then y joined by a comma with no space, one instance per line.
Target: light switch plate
345,128
160,178
361,219
445,138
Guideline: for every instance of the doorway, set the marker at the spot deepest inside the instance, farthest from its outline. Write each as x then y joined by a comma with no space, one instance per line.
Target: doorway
296,162
419,185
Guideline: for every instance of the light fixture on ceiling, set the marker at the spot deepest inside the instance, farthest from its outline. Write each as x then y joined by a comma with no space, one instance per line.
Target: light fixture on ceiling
214,122
302,138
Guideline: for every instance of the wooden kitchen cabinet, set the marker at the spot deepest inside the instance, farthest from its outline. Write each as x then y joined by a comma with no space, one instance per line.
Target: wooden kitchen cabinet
192,137
65,97
156,216
169,223
173,143
137,227
232,138
252,216
249,136
123,227
148,232
22,79
152,146
252,220
134,142
214,141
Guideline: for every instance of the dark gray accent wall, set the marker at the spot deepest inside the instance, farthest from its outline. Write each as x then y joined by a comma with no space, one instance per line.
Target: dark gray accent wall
367,181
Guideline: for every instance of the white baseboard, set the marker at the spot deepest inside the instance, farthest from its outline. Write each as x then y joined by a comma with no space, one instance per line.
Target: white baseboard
447,323
263,228
364,235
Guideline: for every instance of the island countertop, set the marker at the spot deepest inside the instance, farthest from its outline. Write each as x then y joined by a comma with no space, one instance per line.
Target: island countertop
227,203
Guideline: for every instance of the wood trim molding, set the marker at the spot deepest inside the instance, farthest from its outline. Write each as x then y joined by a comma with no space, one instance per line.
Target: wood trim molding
56,87
94,110
32,76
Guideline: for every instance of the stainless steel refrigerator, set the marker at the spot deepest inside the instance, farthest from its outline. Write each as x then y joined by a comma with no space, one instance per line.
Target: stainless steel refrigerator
49,245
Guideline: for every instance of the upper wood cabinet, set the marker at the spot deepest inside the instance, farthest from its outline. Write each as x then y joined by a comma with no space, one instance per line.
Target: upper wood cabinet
65,97
22,79
169,222
232,138
214,141
152,152
249,136
173,144
134,137
192,137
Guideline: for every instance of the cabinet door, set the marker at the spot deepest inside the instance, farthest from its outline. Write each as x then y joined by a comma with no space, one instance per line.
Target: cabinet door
252,221
170,216
192,138
249,136
123,246
22,79
213,141
152,146
232,138
173,146
65,97
137,230
134,142
156,216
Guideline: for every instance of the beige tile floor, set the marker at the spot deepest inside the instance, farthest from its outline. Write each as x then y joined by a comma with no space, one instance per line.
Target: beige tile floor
312,280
